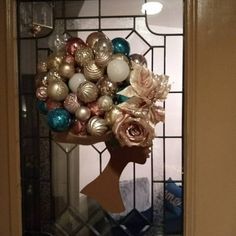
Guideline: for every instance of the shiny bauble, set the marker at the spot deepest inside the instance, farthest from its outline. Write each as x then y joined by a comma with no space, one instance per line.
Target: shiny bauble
42,67
52,104
92,72
42,93
75,81
118,70
87,92
41,79
94,108
120,56
82,113
138,59
59,119
53,76
57,91
94,37
71,103
107,87
79,127
97,126
66,70
102,59
56,42
84,55
105,103
54,61
120,45
42,107
73,44
69,59
112,115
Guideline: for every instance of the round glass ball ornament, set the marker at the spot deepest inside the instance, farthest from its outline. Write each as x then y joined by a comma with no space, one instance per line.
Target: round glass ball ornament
59,119
138,59
57,91
105,103
75,81
87,92
97,126
83,113
66,70
120,45
94,37
118,70
84,55
73,44
42,107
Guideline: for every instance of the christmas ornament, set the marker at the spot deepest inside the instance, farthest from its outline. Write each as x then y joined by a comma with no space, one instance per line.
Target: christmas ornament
120,56
71,103
103,45
73,44
59,119
42,67
69,59
107,87
84,55
87,92
93,38
117,70
92,72
42,93
53,76
79,128
41,79
112,115
42,106
56,41
120,45
96,126
57,91
94,108
138,59
52,104
82,113
66,70
75,81
105,103
54,61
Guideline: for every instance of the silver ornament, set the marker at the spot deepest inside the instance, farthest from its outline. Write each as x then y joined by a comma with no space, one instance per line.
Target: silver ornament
82,113
87,92
97,126
105,103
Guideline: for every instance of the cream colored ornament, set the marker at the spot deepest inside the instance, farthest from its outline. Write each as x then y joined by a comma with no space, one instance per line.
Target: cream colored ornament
75,81
120,56
66,70
97,126
87,92
57,91
92,72
105,103
112,115
82,113
84,55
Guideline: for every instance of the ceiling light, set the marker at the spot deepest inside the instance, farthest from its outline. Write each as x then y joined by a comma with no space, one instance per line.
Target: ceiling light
152,8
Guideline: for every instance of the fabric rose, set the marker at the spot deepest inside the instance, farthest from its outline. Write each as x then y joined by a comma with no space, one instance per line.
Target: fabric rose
156,114
133,131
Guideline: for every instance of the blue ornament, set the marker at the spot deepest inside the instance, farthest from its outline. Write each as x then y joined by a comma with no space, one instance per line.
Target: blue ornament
59,119
42,107
120,45
121,98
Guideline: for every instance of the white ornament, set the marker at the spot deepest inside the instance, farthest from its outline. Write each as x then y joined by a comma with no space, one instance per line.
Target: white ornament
118,70
75,81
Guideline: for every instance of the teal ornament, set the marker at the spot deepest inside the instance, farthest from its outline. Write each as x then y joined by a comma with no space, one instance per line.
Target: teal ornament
121,98
120,45
59,119
42,107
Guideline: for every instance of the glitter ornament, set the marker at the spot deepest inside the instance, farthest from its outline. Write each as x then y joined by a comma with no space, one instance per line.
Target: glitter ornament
105,103
117,70
41,79
59,119
92,72
94,108
54,61
97,126
138,59
84,55
57,91
87,92
120,45
73,44
107,87
42,93
42,67
53,76
94,37
66,70
71,103
82,113
69,59
75,81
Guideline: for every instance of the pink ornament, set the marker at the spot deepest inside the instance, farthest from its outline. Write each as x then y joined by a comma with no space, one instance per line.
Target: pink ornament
79,128
52,104
73,44
41,93
71,103
95,110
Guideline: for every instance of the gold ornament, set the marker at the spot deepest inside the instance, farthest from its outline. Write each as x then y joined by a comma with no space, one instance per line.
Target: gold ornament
107,87
66,70
102,59
54,61
105,103
87,92
84,55
83,113
53,76
94,37
42,67
96,126
57,91
112,115
92,72
41,79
